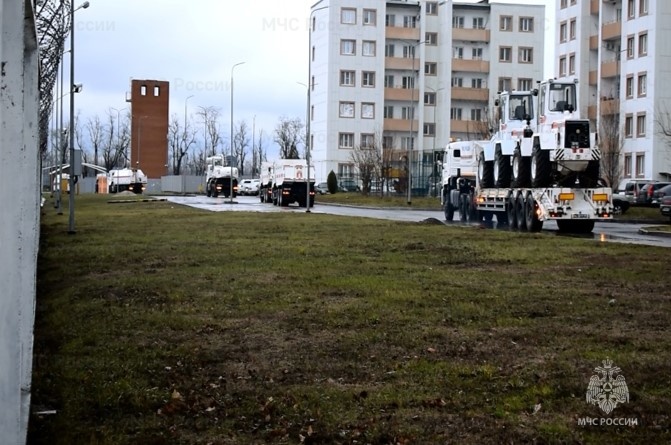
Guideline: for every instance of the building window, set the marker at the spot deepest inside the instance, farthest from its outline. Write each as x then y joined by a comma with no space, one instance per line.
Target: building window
572,29
506,23
627,166
458,82
526,24
368,110
476,82
389,50
390,20
370,17
640,125
346,170
562,66
407,113
640,164
157,91
431,38
346,109
388,112
476,54
642,44
524,84
410,21
367,140
455,114
408,143
430,68
347,47
478,23
505,54
431,8
631,9
525,55
630,47
642,84
562,32
505,83
348,16
429,129
347,78
408,82
476,114
458,52
457,21
368,48
629,86
629,126
387,141
346,140
429,98
368,79
643,7
409,51
143,90
389,81
571,64
563,4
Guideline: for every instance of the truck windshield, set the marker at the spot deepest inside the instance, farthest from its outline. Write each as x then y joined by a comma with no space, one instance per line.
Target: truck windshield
562,97
520,106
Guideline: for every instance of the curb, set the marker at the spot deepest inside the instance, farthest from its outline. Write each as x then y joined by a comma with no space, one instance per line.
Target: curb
660,233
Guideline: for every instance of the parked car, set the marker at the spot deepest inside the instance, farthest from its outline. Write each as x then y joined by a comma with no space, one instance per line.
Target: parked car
249,187
348,185
322,188
646,194
665,206
628,190
658,194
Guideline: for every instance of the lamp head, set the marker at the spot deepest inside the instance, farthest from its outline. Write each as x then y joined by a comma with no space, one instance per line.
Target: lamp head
85,5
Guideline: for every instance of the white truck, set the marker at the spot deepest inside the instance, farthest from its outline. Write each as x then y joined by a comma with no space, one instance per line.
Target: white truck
552,172
285,181
126,179
220,178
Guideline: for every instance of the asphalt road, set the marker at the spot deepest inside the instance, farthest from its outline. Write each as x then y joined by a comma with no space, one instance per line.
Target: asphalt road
603,232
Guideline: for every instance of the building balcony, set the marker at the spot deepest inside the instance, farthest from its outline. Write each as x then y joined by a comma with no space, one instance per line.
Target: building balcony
610,69
471,35
593,77
398,32
593,42
400,125
401,63
476,129
610,106
591,112
470,94
611,31
404,94
594,7
471,66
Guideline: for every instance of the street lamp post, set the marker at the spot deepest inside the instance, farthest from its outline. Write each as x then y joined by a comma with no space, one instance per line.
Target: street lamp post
411,113
71,225
231,160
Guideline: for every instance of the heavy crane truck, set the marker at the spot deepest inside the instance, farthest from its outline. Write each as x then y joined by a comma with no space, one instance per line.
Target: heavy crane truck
220,178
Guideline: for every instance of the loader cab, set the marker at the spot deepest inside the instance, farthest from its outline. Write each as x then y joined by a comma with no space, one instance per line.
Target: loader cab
515,109
557,98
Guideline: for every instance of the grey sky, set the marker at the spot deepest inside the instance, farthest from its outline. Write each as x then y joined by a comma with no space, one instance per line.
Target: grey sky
193,45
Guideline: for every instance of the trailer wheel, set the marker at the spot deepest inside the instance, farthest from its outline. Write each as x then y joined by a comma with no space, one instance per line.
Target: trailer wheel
541,169
531,217
520,212
520,169
502,169
510,211
485,172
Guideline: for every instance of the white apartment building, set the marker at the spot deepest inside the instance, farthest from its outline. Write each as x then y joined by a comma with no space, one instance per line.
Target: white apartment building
383,74
619,49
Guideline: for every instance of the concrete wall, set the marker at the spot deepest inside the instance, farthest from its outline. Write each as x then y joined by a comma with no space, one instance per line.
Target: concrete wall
183,184
19,219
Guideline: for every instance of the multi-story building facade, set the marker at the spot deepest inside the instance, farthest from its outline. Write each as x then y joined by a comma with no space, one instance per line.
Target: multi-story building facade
619,51
409,76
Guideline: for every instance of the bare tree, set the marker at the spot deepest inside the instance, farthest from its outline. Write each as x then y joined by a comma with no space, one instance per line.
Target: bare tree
611,144
367,159
209,117
288,133
663,122
97,137
240,144
180,141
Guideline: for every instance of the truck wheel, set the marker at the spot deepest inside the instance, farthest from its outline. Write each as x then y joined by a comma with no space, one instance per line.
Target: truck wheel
261,195
510,211
485,172
520,169
531,217
208,191
501,168
215,191
449,211
520,212
541,169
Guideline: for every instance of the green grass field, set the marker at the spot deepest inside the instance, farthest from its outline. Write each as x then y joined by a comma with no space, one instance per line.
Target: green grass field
162,324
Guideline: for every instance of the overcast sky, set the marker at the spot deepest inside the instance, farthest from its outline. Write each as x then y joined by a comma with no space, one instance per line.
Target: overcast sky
194,44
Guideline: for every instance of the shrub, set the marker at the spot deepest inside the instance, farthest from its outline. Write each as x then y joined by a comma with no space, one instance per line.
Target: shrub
332,182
